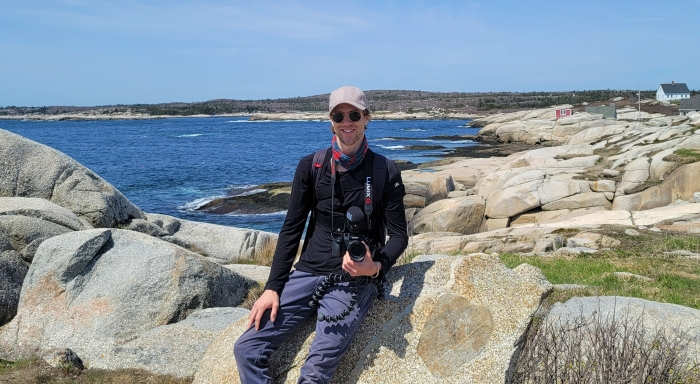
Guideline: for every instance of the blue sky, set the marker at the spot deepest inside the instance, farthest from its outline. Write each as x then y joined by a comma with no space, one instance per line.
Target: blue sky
96,52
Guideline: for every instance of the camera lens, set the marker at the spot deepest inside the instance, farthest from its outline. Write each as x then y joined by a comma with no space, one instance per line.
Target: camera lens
357,250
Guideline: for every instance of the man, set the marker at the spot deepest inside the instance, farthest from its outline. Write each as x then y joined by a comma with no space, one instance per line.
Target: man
326,282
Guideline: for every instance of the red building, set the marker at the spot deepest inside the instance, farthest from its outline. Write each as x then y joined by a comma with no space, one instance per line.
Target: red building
564,112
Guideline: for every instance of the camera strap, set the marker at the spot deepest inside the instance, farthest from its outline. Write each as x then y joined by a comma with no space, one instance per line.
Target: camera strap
368,199
332,190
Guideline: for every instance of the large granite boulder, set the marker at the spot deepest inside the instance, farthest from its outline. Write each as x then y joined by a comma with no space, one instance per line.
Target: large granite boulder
92,291
439,189
516,199
20,236
447,319
41,209
25,234
174,349
510,201
636,173
31,169
460,214
680,184
221,243
512,239
12,272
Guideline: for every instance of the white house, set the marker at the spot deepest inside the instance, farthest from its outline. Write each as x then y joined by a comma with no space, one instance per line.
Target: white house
672,91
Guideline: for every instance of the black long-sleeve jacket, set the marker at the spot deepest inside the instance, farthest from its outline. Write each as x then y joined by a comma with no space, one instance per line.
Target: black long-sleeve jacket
348,191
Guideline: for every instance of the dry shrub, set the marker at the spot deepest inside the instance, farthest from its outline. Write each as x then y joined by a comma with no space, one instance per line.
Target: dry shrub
264,257
603,350
254,293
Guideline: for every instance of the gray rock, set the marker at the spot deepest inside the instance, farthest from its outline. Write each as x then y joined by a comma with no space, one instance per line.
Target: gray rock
31,169
628,276
145,226
636,173
91,290
5,244
682,184
12,272
493,224
63,358
611,173
631,232
168,223
573,251
439,189
221,244
403,339
173,349
41,209
461,215
602,186
683,253
454,194
581,200
25,233
548,243
508,202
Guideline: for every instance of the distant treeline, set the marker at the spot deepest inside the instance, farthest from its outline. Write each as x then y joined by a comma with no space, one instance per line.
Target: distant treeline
406,101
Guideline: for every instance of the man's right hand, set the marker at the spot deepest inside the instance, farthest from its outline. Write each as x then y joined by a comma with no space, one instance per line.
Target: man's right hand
268,300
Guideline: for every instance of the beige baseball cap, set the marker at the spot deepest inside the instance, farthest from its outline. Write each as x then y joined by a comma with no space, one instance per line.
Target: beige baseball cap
348,95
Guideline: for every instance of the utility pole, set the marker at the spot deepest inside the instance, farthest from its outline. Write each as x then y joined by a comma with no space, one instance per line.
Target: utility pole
639,104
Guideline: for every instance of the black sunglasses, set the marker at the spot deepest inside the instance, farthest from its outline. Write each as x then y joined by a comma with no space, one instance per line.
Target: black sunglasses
354,116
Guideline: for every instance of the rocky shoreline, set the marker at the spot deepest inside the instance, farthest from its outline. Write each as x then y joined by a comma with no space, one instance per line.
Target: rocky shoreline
87,274
281,116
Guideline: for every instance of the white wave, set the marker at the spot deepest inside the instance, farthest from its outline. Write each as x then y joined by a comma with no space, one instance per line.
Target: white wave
251,192
191,135
257,214
196,204
238,186
384,138
413,130
431,140
392,146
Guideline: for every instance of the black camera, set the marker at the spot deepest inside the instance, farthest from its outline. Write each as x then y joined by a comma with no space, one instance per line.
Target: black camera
351,239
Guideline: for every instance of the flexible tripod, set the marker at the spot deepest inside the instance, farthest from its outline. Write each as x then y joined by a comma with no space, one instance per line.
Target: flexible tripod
335,278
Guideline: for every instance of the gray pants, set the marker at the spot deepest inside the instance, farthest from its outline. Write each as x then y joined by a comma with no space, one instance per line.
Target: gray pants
253,348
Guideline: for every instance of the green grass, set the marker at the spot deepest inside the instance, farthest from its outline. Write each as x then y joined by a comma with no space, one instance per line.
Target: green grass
683,156
674,279
10,366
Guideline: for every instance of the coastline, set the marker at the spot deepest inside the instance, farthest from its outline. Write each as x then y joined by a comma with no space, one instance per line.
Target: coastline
282,116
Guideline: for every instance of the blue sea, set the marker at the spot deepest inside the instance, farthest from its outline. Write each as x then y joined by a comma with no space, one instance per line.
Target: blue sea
172,166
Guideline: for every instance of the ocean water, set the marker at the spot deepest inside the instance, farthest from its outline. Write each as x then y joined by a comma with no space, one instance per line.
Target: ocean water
172,166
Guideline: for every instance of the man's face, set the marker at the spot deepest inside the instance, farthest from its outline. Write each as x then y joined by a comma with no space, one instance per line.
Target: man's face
349,133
